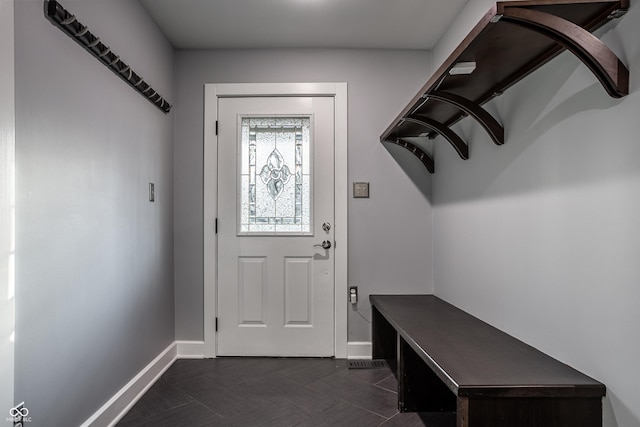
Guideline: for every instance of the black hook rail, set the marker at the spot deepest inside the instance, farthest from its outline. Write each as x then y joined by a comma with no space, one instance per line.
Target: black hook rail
68,23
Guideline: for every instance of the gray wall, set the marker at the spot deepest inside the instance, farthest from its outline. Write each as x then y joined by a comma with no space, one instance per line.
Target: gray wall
7,194
94,256
541,237
389,234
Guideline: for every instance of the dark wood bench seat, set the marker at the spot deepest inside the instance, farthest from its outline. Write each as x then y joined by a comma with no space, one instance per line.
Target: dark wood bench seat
450,361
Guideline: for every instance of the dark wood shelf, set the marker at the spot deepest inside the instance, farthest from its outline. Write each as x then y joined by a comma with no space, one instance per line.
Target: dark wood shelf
512,40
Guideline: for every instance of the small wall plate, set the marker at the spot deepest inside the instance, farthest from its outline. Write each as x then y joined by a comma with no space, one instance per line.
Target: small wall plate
152,192
361,190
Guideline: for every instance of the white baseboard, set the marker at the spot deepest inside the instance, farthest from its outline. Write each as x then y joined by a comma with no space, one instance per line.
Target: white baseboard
112,411
190,349
359,350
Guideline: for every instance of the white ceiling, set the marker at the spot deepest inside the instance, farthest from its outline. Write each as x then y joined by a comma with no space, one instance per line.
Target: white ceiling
383,24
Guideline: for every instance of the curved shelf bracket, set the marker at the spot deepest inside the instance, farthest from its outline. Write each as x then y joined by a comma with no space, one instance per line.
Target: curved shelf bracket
425,158
460,146
605,65
486,120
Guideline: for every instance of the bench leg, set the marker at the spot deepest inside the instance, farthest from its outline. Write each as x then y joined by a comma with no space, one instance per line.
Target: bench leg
383,337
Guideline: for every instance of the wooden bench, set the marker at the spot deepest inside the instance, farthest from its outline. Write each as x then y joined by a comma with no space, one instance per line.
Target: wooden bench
450,361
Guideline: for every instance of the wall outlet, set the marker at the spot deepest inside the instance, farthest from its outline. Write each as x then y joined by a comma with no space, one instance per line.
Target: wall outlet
353,294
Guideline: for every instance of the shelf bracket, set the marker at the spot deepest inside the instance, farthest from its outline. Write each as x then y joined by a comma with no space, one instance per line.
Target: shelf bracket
423,156
460,146
486,120
605,65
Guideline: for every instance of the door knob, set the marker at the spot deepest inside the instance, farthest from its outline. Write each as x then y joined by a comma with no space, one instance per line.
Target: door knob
324,245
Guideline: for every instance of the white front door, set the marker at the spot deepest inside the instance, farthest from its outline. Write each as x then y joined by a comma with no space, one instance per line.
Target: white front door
275,214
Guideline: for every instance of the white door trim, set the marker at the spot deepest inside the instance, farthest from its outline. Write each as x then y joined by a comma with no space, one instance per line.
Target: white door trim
211,94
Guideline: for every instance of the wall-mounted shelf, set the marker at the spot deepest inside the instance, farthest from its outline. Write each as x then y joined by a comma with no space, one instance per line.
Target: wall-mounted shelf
512,40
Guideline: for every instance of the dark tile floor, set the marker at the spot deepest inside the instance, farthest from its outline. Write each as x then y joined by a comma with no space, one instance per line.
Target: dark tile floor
274,392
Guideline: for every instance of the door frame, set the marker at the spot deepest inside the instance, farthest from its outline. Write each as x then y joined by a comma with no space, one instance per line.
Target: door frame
211,94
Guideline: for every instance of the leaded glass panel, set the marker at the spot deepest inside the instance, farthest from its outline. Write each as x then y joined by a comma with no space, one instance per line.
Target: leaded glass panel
275,175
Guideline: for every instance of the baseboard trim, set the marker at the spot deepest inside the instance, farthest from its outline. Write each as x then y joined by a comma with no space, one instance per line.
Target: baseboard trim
359,350
112,411
190,349
116,408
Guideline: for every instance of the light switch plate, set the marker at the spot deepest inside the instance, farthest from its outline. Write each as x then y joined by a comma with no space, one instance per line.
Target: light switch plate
152,192
361,190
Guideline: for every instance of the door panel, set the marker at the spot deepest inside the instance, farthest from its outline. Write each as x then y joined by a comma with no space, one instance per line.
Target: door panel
275,282
298,292
252,290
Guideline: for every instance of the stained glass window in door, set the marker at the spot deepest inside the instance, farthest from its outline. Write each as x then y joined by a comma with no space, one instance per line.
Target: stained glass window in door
275,175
